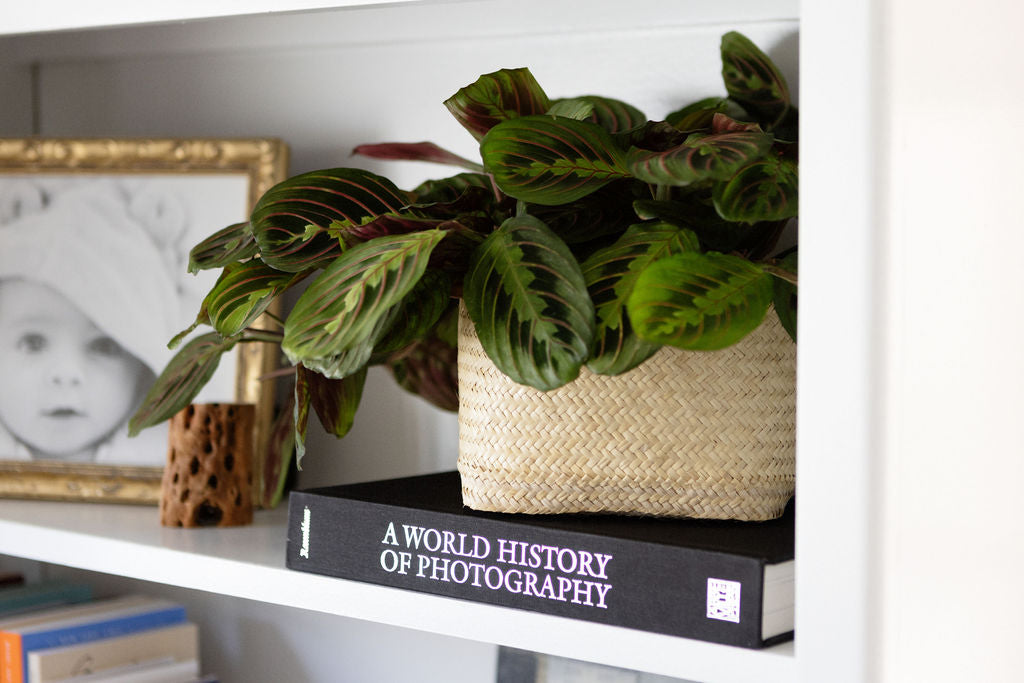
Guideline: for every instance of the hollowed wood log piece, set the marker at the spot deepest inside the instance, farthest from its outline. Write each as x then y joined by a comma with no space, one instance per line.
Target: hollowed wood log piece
208,477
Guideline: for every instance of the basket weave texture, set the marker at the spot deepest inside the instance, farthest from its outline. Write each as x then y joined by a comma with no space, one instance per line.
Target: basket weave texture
687,434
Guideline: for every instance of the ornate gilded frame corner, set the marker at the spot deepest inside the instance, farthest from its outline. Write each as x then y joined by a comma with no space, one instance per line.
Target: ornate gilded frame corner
264,161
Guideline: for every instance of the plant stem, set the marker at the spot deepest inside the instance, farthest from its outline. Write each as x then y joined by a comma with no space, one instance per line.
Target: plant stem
273,317
774,270
256,335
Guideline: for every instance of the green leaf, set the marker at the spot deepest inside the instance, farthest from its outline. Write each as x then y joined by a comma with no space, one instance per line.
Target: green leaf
784,295
278,457
428,367
452,188
335,400
699,115
418,312
575,108
224,247
613,115
699,301
697,212
497,97
753,80
345,310
243,292
300,417
180,382
291,221
528,301
602,213
611,276
548,160
765,190
701,157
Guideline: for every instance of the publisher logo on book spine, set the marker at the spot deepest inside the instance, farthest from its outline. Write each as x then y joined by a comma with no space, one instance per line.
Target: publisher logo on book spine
304,548
724,600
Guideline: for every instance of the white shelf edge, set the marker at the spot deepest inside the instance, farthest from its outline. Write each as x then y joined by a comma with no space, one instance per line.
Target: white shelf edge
62,15
248,562
168,26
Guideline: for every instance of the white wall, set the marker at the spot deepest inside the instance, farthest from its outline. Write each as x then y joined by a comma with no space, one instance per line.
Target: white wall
952,602
911,539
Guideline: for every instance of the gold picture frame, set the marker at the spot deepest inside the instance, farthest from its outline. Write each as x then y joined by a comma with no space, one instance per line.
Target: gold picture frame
178,191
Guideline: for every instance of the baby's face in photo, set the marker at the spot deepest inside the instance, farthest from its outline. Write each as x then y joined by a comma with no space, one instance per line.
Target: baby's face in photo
66,385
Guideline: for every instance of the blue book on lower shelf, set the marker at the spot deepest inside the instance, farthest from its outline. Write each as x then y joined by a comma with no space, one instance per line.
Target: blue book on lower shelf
71,626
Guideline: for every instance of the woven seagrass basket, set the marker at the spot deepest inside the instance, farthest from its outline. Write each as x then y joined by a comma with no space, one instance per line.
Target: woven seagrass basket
687,434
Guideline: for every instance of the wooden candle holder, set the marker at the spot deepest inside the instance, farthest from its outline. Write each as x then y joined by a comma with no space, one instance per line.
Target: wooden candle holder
208,477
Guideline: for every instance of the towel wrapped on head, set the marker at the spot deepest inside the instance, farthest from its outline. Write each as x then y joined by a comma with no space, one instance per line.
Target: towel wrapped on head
114,255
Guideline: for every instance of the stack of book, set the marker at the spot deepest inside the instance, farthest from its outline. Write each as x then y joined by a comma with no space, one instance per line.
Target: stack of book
57,631
719,581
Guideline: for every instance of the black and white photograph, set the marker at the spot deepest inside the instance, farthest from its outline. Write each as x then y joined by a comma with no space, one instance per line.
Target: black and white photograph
94,283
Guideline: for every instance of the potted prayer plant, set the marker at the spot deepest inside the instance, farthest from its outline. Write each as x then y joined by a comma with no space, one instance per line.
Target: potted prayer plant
587,237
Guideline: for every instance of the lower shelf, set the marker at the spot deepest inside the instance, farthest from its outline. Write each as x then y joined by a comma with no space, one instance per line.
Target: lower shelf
248,562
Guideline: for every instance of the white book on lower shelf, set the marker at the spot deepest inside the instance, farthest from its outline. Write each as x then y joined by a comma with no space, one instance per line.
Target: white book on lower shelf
156,671
171,644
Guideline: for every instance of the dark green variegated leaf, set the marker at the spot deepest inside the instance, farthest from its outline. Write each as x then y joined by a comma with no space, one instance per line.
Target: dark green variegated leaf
470,201
699,301
784,293
451,189
766,190
470,212
228,245
180,382
548,160
278,457
291,220
613,115
701,157
417,313
429,366
351,360
696,212
416,151
335,400
598,214
243,292
388,224
529,304
497,97
655,136
575,108
721,123
753,80
699,115
345,310
300,417
611,275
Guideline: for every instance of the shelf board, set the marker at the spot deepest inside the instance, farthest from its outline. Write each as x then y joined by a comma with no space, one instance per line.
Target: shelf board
60,15
248,562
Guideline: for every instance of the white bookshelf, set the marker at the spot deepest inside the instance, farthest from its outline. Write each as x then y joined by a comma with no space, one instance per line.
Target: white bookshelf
248,562
909,362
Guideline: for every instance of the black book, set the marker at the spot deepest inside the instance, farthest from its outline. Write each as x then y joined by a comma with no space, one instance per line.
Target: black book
718,581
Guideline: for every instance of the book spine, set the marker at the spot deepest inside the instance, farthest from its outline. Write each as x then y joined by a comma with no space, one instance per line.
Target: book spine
647,586
45,596
10,657
95,630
